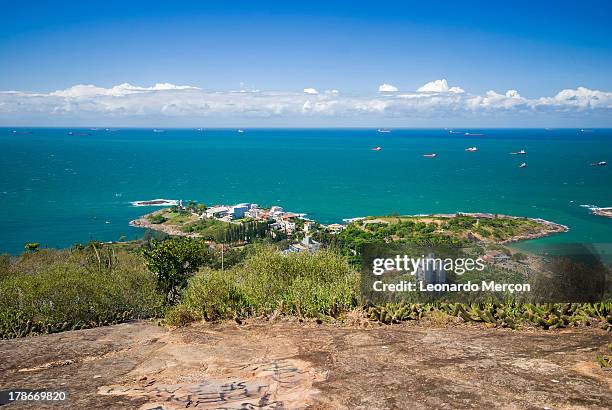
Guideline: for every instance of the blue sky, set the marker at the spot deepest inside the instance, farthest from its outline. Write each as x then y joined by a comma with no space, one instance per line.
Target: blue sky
353,47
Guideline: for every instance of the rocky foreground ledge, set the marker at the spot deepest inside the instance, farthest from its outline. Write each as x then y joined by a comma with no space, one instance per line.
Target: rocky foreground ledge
294,365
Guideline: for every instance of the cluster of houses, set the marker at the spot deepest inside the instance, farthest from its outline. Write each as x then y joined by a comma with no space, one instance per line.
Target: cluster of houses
227,213
287,222
281,220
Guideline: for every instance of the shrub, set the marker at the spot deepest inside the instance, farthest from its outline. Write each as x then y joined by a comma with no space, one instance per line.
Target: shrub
5,265
214,294
179,316
73,290
304,284
32,247
157,219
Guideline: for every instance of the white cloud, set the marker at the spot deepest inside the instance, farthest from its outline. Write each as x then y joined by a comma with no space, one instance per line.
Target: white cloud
581,98
127,102
513,94
84,91
387,88
439,86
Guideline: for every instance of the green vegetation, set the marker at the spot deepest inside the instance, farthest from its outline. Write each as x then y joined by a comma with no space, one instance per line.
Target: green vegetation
460,230
355,236
186,279
156,219
435,229
32,247
518,257
208,229
171,216
508,314
247,231
172,261
307,285
605,360
498,228
179,218
50,291
225,232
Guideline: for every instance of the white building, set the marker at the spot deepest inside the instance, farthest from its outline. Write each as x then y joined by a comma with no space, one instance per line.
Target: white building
306,245
239,211
276,211
254,213
335,228
287,226
217,212
308,225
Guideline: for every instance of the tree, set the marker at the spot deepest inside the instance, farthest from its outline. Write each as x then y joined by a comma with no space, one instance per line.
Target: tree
172,261
32,247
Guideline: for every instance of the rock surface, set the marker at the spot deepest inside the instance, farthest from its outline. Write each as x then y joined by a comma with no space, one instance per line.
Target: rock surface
295,365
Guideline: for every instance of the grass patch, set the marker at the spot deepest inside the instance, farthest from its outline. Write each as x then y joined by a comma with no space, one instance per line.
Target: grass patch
209,229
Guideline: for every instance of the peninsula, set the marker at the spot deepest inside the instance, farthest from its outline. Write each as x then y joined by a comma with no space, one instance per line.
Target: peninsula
217,222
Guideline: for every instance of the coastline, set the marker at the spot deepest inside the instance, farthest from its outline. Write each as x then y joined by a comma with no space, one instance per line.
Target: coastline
547,228
554,227
172,230
605,212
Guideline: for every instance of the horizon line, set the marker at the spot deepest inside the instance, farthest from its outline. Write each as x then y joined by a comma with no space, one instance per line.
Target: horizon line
203,128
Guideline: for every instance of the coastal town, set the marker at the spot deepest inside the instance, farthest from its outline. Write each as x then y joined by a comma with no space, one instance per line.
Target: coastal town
302,234
279,223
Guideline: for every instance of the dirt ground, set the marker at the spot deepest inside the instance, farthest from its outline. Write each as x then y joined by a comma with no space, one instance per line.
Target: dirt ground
296,365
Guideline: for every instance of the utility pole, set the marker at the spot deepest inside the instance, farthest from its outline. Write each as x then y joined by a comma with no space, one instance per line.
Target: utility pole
222,256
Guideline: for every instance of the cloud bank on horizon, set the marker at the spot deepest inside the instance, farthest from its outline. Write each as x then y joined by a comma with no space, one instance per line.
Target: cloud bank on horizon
162,103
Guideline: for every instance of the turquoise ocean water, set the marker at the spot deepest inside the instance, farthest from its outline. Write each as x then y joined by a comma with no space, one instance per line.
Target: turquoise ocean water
59,189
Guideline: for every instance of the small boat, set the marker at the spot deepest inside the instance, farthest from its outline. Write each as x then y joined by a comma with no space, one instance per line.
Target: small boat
521,152
240,131
156,130
471,149
523,165
376,149
600,164
471,134
456,132
430,155
384,130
